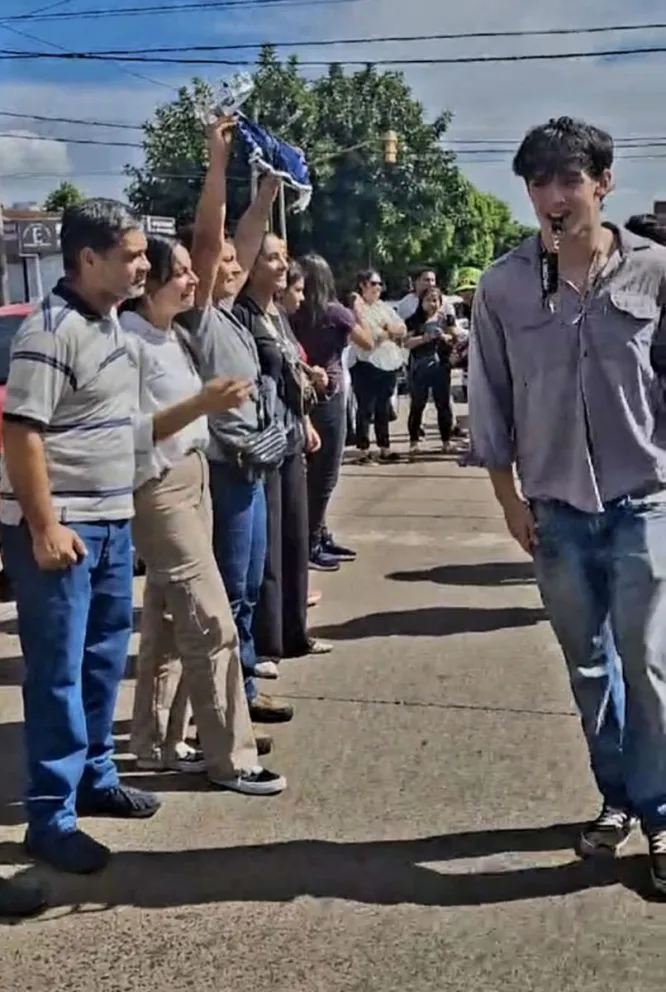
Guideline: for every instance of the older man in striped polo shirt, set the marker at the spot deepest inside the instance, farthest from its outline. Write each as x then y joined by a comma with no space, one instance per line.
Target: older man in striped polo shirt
71,434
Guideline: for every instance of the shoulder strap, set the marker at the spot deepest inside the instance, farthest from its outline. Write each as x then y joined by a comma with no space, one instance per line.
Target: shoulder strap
189,346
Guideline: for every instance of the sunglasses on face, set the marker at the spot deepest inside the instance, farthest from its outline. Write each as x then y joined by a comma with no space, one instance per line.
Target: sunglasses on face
376,282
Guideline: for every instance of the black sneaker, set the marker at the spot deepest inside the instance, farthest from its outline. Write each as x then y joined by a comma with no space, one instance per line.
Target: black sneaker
331,547
74,852
258,782
19,898
657,848
321,561
122,802
607,834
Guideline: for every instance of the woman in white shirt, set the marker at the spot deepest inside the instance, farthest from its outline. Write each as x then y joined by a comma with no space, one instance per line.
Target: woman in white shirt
375,373
186,611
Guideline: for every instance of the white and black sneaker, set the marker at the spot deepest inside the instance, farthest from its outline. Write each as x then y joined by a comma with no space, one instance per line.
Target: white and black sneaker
657,847
606,835
257,782
185,759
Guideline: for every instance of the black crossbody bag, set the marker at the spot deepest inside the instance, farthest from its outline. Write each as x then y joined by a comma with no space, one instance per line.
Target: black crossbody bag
262,450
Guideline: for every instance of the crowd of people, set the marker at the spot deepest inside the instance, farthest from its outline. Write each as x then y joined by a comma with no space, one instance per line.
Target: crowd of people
184,400
200,387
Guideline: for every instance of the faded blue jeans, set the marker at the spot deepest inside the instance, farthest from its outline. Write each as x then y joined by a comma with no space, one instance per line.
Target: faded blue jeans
74,626
602,578
239,545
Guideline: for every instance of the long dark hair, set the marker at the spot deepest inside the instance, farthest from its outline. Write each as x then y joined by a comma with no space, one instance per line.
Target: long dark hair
295,273
420,317
159,253
318,291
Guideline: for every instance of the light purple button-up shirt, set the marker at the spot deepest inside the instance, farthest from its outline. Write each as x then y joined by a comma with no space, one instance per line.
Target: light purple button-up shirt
571,396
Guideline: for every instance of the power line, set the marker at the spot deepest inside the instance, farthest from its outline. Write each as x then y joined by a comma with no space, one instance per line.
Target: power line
70,141
634,153
43,10
453,60
479,146
509,140
70,120
329,42
176,8
42,41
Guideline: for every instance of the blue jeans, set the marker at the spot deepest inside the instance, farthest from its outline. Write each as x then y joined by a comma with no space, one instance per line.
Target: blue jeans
74,626
602,578
239,544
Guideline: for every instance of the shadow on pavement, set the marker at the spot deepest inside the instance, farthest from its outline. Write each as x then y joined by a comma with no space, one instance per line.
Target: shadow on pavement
435,621
489,573
381,873
12,779
11,670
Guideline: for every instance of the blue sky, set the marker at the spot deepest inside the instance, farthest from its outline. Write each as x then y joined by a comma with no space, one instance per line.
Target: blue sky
490,103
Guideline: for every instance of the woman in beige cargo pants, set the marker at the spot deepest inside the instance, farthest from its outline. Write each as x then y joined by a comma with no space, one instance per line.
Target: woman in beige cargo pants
186,611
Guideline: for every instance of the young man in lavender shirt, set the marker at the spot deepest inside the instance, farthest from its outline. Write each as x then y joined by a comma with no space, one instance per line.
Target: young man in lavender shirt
566,383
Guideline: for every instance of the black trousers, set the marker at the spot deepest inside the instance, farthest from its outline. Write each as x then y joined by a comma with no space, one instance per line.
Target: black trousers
425,379
330,421
280,620
374,389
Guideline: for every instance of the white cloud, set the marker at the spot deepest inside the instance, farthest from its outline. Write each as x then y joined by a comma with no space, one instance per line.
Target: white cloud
30,169
501,100
20,153
494,101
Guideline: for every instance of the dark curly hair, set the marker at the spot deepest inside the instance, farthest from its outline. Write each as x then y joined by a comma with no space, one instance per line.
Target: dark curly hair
647,226
563,145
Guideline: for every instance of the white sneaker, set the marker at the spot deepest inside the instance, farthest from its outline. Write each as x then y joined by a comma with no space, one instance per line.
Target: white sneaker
257,782
185,759
266,668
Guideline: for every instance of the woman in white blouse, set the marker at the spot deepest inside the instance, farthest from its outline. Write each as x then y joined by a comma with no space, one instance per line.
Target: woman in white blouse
186,611
375,373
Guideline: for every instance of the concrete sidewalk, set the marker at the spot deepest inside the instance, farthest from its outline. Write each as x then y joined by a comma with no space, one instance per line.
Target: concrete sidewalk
436,774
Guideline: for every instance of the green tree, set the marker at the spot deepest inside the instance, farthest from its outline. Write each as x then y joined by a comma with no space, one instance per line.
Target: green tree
64,195
364,211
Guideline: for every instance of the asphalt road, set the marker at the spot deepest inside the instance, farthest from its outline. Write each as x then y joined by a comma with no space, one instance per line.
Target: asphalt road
436,777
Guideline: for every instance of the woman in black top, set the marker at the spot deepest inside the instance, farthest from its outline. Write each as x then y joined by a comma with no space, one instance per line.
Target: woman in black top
430,340
280,623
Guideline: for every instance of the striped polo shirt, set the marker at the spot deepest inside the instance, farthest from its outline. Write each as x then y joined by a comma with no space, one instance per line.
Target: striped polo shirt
75,376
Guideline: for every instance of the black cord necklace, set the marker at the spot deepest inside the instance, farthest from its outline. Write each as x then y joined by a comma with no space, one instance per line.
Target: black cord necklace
550,267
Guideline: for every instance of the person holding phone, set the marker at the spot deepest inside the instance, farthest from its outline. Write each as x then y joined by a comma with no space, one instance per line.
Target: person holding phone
431,336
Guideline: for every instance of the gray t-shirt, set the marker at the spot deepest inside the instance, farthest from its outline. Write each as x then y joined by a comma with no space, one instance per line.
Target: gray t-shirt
71,375
225,348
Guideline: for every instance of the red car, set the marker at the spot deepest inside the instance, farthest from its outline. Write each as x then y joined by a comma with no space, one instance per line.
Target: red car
11,318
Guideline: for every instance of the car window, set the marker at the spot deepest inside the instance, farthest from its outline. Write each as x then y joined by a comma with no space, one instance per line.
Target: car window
9,325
